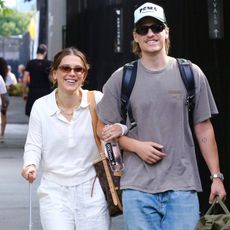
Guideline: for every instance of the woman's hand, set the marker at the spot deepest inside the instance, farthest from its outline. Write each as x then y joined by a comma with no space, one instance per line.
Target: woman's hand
29,173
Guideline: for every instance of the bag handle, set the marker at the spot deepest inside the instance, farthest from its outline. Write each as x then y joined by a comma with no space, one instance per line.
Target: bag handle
92,109
221,203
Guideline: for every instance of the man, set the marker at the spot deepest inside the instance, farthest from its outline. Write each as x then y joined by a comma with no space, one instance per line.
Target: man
21,70
161,179
36,78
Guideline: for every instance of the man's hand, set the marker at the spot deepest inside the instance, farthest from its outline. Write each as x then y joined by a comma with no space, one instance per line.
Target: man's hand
149,151
217,189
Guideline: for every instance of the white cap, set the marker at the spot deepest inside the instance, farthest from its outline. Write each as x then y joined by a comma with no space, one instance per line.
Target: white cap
149,10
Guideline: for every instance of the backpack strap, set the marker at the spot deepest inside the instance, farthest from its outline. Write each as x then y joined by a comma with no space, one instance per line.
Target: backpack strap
128,81
188,79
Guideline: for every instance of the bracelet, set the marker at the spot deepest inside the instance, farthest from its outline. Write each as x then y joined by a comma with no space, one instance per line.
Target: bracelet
123,128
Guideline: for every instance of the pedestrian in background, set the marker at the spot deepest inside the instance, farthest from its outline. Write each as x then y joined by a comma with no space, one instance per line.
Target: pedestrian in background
21,70
60,135
160,180
8,83
11,79
3,102
36,80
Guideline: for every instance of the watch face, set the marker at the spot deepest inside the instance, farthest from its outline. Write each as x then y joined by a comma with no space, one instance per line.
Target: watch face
217,175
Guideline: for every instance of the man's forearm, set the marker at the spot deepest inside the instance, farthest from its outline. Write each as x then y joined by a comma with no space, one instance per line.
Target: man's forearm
207,143
127,143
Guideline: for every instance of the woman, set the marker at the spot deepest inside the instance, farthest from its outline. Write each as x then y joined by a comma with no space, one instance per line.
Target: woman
4,97
60,135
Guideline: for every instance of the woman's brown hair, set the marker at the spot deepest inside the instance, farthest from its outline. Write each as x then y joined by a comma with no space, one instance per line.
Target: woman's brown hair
65,52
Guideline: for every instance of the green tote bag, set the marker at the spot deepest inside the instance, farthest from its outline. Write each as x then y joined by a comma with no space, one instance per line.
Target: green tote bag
215,221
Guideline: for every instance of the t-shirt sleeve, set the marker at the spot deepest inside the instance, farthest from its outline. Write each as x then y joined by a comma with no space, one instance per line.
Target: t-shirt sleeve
108,108
205,106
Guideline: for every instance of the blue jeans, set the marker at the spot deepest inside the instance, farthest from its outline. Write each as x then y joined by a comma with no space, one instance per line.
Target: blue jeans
171,210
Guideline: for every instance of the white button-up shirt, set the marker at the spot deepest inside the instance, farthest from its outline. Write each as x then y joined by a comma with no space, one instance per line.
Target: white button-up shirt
66,149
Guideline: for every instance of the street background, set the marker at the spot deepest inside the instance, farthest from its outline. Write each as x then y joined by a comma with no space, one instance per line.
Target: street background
14,190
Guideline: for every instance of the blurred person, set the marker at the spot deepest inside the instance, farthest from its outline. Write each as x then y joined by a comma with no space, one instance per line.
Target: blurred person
3,91
161,179
21,70
61,137
11,75
10,82
11,79
36,82
4,96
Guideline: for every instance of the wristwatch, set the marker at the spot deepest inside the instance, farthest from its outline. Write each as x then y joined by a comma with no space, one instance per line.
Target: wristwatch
217,175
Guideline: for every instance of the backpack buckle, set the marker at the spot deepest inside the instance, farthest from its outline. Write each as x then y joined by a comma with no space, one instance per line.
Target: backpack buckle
190,102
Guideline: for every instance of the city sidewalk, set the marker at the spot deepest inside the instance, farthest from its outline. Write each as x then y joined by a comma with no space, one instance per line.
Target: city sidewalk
14,192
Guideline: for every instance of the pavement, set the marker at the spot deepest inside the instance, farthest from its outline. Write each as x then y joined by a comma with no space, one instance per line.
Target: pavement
14,190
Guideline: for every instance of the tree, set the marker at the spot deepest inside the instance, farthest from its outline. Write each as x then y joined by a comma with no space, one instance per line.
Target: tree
3,8
13,22
1,4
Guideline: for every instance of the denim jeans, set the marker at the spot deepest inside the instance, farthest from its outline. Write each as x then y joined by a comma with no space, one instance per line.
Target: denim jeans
171,210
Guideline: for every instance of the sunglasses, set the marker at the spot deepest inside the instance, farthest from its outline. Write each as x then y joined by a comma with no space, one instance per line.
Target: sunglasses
156,28
68,69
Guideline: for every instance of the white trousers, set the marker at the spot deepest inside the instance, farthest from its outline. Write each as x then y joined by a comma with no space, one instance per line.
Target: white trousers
73,207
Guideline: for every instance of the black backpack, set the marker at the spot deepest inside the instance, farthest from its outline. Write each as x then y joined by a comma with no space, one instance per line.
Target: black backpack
128,81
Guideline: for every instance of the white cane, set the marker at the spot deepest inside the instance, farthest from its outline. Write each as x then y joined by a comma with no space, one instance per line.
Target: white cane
30,206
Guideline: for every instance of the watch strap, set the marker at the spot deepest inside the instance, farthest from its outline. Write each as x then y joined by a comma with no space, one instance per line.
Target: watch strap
217,175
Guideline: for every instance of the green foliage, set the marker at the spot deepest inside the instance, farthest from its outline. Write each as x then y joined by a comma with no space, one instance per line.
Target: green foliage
17,90
3,9
1,4
13,22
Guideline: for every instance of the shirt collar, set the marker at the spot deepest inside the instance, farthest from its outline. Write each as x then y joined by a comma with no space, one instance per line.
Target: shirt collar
52,104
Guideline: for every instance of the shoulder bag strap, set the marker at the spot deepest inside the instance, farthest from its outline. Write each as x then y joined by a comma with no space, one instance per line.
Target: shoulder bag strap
92,108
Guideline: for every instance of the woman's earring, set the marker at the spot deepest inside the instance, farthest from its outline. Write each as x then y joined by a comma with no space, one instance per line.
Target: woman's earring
54,83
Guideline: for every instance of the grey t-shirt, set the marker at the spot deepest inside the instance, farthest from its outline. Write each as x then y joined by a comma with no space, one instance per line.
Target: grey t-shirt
158,105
